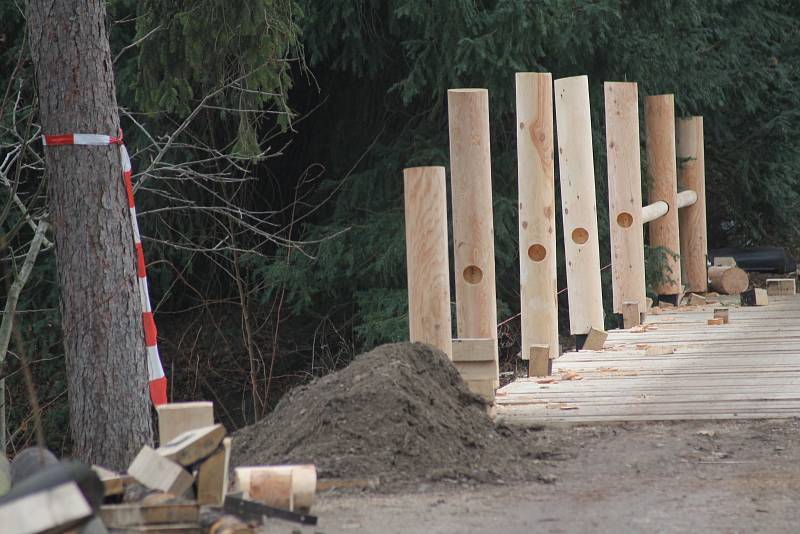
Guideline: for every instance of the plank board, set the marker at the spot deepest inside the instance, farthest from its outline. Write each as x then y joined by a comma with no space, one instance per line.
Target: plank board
677,367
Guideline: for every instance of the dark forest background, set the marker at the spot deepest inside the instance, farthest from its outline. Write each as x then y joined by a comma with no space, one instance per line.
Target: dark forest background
321,104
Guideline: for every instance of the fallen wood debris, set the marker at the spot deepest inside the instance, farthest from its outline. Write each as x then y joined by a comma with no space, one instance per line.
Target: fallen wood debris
755,297
181,487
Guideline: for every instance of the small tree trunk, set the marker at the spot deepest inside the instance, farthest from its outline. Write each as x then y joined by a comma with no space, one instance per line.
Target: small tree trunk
100,307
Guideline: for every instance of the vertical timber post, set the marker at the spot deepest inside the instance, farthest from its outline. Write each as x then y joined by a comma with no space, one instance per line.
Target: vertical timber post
662,166
473,225
625,194
692,175
537,218
429,319
578,203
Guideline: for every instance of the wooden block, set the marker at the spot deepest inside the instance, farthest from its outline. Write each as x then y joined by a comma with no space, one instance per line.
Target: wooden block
665,304
696,300
483,388
303,482
127,515
193,445
649,302
157,472
724,261
113,483
540,363
722,313
595,339
472,350
55,509
755,297
178,417
781,286
474,370
716,321
630,315
212,477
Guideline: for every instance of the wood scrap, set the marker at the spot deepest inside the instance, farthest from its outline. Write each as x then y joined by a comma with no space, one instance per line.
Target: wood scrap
126,515
728,280
722,313
212,476
157,472
755,297
595,339
113,483
193,445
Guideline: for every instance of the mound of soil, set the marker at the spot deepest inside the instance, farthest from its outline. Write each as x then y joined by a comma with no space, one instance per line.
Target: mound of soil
401,414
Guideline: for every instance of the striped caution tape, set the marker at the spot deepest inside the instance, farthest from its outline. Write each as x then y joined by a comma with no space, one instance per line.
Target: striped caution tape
158,382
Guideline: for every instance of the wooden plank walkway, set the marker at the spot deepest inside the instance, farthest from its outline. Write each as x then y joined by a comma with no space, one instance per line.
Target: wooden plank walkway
676,366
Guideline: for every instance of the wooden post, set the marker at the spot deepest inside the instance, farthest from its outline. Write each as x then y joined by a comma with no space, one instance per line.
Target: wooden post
625,196
537,217
659,122
473,227
692,176
429,318
578,204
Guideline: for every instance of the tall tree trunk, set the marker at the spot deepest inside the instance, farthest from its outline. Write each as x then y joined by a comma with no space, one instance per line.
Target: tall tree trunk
100,307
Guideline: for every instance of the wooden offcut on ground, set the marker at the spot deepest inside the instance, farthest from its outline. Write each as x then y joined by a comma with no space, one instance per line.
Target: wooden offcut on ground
674,366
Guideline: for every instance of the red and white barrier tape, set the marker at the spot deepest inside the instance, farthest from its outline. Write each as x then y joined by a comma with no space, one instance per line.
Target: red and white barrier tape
158,382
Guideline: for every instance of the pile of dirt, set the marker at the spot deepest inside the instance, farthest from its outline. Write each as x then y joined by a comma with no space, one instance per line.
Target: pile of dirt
400,414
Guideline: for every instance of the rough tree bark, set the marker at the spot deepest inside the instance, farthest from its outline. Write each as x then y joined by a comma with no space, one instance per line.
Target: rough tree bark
100,307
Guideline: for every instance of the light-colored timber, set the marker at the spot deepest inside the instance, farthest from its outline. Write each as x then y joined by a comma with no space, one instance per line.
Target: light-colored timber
578,204
625,196
781,286
675,367
692,177
427,257
540,361
728,280
176,418
755,296
659,120
473,227
537,211
631,316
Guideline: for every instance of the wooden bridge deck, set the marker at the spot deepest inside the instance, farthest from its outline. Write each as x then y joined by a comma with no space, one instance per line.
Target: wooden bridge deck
678,367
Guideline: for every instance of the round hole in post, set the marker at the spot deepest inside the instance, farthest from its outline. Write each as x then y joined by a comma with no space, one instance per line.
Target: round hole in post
473,274
580,236
625,219
537,252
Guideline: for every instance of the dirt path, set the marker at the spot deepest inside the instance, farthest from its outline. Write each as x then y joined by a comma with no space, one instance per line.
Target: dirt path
739,476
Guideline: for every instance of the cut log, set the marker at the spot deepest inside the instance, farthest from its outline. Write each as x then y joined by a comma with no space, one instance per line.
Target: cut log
178,417
212,477
755,297
781,286
157,472
728,280
193,445
303,482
